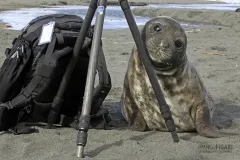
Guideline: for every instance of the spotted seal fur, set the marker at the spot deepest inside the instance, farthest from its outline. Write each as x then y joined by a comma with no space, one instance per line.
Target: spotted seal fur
189,101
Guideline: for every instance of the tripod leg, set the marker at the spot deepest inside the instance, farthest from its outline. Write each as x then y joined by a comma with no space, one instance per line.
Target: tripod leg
54,114
84,119
165,111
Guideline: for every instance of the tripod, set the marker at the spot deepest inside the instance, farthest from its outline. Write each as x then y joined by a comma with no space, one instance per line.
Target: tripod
84,119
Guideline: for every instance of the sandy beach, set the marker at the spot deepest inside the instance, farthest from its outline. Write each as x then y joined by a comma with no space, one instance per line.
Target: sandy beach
213,48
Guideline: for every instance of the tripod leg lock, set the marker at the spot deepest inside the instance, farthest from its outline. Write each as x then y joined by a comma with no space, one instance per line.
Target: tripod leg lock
166,113
82,138
170,125
54,114
83,125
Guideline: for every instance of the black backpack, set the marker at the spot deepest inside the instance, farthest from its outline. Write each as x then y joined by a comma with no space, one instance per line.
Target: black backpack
31,75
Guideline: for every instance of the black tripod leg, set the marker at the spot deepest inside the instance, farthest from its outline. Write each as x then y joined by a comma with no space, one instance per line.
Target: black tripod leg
84,119
54,114
165,111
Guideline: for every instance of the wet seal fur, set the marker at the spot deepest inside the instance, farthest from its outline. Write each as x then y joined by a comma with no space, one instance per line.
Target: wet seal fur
189,101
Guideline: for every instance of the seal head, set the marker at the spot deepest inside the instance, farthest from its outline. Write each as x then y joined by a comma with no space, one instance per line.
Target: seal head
166,42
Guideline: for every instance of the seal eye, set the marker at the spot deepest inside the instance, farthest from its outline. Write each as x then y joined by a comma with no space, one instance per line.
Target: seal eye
178,44
157,28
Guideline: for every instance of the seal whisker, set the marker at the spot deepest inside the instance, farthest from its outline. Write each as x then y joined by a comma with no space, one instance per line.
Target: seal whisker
151,43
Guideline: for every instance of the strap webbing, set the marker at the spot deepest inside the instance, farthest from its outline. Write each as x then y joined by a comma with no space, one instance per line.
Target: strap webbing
50,50
60,38
24,97
33,35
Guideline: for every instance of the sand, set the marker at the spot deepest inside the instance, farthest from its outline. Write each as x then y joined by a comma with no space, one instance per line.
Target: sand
214,51
211,17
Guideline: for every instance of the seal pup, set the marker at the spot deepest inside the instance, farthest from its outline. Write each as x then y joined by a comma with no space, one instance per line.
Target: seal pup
189,101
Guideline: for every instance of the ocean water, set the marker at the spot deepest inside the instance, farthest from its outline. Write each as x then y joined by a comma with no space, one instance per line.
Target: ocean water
231,7
114,17
227,1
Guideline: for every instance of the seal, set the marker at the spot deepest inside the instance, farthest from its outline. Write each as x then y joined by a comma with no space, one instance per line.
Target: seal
189,101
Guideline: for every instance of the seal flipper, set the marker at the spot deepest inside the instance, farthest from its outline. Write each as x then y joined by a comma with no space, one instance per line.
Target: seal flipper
131,112
204,125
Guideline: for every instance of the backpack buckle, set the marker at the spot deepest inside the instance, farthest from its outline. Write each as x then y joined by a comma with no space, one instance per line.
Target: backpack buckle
28,108
7,52
8,105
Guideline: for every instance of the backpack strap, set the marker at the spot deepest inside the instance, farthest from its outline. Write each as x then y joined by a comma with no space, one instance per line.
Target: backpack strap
104,86
33,35
22,127
98,120
24,97
60,38
13,69
45,70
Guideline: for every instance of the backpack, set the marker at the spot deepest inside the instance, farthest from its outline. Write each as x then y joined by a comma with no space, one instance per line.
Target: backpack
31,75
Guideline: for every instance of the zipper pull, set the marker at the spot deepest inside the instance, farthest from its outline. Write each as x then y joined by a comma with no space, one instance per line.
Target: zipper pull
22,49
14,54
17,54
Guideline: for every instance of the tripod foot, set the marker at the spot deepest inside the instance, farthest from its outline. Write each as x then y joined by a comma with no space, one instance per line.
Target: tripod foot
175,137
49,126
80,151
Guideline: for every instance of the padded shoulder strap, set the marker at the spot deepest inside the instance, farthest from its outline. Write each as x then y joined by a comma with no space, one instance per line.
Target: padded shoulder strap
104,86
33,35
24,97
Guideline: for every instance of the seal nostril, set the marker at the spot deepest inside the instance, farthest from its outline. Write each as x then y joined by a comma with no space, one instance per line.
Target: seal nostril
164,44
178,43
